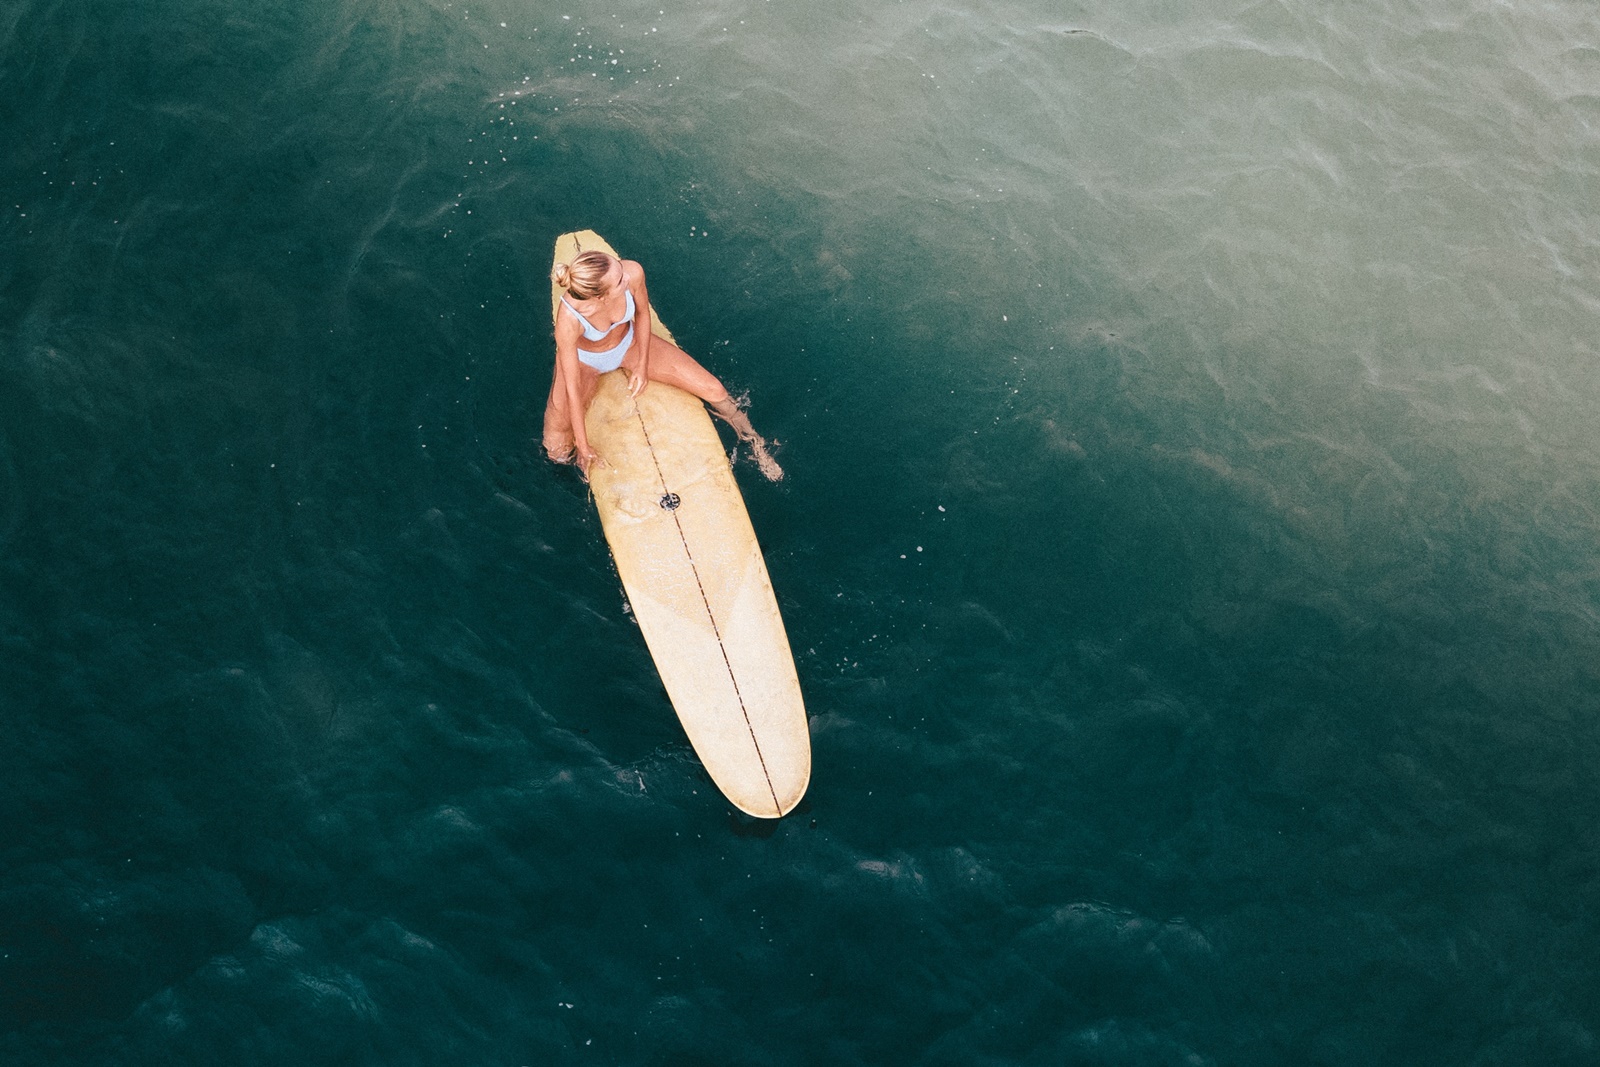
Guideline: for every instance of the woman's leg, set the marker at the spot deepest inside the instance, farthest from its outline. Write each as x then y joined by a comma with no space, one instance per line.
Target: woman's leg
671,364
559,444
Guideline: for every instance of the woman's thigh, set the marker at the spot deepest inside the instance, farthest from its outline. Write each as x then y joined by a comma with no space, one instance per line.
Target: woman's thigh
671,364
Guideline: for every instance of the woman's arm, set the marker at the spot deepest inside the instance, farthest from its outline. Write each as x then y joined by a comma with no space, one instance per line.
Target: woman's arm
633,274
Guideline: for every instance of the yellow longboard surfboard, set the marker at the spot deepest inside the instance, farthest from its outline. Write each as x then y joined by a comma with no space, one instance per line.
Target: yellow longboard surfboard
698,585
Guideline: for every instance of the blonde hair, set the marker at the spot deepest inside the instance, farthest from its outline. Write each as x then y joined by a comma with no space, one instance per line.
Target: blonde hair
585,276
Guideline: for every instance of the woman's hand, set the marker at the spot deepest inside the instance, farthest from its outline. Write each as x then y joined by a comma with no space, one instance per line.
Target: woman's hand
637,380
588,459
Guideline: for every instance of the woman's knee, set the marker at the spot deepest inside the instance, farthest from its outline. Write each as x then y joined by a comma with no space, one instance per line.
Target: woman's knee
707,385
701,383
559,447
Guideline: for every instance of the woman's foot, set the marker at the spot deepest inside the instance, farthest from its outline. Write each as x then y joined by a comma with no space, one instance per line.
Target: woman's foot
729,411
764,461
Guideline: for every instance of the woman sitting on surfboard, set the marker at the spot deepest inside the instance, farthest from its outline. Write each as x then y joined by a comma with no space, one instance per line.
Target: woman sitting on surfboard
603,324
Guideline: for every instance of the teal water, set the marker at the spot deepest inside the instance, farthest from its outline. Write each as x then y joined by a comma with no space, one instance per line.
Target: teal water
1189,545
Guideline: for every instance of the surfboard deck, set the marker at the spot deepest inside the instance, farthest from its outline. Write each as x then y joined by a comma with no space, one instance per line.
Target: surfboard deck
695,577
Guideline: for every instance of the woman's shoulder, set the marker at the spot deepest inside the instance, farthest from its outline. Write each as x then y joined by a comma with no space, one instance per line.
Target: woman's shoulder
566,324
632,271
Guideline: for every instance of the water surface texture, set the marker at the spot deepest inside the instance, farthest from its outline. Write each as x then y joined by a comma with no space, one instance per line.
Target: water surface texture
1191,543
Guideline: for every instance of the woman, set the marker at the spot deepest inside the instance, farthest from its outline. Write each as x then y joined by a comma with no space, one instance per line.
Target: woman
604,323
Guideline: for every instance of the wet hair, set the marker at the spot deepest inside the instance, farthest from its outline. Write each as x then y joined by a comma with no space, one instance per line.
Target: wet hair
585,276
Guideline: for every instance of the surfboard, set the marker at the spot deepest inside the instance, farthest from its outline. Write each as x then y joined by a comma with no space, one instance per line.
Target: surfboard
697,582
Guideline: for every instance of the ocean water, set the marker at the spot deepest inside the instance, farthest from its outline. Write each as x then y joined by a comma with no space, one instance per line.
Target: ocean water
1191,542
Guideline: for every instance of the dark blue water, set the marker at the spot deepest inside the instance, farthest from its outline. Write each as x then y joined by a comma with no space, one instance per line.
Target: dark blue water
1189,546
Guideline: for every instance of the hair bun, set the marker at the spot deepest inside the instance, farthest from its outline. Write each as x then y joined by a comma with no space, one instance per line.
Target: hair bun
585,277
